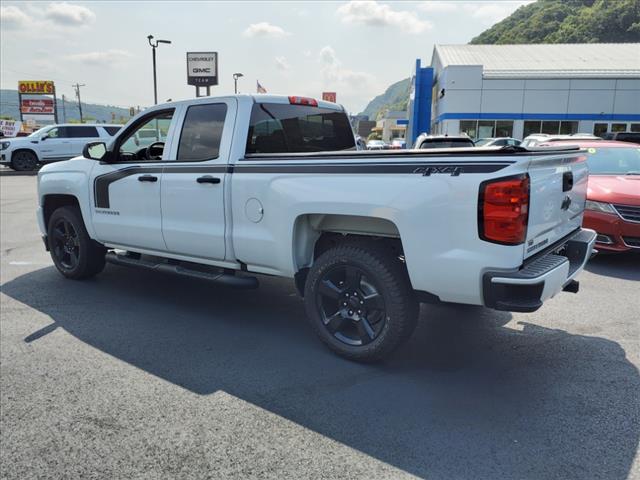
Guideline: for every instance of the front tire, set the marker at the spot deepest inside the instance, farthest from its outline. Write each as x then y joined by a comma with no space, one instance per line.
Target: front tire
360,302
24,161
74,253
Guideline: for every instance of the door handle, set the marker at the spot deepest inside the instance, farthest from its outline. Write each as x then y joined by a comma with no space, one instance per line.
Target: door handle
567,181
147,178
208,179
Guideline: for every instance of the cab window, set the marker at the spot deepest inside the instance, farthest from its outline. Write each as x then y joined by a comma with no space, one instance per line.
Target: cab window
202,132
145,140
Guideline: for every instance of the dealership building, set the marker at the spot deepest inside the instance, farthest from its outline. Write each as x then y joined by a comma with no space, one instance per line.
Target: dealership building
518,90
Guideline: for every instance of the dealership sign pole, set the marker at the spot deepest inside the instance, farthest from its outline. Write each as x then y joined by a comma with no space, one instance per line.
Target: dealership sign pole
202,70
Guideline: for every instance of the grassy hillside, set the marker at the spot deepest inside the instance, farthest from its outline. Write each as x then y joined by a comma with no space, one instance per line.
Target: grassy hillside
396,97
568,21
90,112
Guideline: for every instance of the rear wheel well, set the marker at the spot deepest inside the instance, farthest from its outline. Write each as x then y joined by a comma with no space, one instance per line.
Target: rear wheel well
53,202
329,240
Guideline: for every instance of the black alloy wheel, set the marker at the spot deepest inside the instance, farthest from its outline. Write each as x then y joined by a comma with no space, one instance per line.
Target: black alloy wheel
359,299
66,244
24,161
73,252
351,305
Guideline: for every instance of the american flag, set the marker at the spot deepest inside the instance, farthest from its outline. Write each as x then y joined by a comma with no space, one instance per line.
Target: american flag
260,88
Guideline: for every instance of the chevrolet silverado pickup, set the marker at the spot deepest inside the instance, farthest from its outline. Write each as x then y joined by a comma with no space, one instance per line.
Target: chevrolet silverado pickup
244,185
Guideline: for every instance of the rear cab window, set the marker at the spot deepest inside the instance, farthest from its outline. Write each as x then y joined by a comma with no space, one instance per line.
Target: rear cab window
283,128
446,143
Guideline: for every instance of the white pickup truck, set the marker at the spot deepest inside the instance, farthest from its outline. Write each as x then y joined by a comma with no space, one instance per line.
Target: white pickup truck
273,185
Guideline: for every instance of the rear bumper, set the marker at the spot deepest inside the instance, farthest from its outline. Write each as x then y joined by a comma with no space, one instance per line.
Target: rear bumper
614,233
541,277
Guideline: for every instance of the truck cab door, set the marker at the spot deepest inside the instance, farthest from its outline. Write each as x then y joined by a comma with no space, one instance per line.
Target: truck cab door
125,193
194,181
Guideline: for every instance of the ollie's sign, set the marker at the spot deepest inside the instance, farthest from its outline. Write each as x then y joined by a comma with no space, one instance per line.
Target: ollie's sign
45,105
34,87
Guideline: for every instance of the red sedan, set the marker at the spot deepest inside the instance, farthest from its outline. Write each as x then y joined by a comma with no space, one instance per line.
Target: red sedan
613,196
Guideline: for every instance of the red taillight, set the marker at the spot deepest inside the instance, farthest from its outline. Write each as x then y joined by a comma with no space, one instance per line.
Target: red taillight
310,102
504,210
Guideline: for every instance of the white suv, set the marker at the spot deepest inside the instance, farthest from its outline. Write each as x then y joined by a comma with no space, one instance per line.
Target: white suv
52,143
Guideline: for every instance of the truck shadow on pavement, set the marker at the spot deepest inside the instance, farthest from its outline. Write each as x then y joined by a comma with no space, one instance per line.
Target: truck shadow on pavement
466,398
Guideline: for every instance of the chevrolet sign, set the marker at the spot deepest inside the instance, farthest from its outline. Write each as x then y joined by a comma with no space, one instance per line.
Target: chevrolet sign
202,68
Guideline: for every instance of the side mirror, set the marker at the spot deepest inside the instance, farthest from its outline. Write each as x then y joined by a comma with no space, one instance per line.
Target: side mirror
95,151
44,137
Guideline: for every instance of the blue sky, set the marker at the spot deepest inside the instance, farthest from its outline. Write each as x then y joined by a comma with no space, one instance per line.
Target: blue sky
355,48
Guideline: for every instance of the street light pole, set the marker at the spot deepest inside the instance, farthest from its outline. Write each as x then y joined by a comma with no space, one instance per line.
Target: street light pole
153,55
236,76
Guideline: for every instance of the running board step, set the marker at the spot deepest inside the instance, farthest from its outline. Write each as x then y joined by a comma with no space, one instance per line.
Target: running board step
163,265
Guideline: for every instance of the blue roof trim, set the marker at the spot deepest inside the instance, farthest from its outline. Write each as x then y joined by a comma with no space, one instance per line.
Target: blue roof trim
605,117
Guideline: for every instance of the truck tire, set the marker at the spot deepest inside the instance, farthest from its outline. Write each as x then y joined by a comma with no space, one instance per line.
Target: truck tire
74,253
360,302
24,161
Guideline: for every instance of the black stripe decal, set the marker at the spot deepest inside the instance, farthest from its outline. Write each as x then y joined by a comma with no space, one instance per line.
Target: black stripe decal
102,182
472,167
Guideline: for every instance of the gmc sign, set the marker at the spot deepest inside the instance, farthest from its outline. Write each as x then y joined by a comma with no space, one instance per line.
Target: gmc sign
202,68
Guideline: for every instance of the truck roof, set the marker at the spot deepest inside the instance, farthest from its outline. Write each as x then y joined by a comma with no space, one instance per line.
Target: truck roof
253,98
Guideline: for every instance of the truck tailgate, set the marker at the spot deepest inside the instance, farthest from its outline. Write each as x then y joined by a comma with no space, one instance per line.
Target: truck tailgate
558,191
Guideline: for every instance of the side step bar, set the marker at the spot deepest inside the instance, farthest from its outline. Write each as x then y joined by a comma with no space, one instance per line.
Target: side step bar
221,276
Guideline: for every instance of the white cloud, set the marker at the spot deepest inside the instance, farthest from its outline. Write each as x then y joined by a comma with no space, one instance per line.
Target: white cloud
282,64
334,73
67,14
13,18
372,13
264,29
100,58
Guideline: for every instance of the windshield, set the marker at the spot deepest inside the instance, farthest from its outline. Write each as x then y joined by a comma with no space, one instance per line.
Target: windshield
40,131
613,161
482,141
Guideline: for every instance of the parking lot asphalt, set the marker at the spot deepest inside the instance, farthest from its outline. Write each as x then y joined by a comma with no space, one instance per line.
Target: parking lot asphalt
140,375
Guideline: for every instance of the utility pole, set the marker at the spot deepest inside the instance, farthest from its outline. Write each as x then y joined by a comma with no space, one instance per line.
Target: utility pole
77,88
64,112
